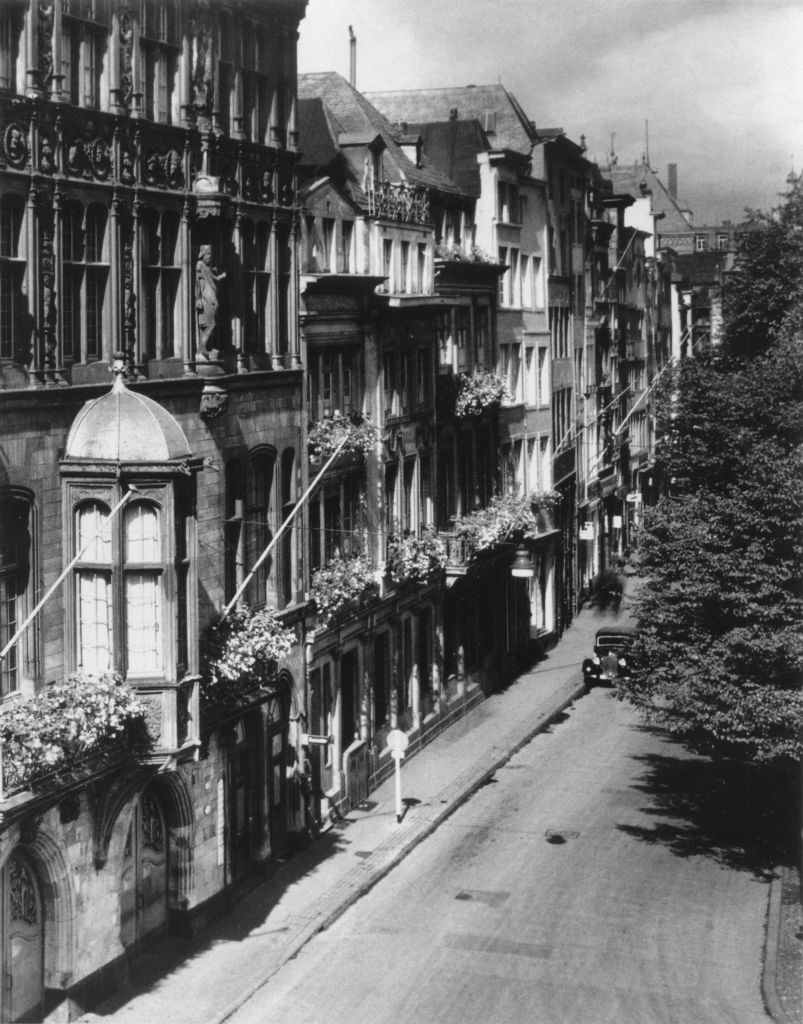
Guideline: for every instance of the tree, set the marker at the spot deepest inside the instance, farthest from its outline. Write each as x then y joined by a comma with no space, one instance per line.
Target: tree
767,279
721,649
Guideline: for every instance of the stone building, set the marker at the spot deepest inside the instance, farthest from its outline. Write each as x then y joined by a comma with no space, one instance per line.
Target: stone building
148,218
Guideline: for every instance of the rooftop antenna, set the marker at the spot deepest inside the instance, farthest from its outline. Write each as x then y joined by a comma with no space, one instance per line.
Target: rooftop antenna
352,58
647,143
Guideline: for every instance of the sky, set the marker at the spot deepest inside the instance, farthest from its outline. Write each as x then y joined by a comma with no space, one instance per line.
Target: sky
715,86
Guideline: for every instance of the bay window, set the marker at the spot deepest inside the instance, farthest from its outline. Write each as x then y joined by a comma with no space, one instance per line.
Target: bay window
129,582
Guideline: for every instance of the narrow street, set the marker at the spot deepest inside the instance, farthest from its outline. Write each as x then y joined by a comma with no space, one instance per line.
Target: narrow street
586,883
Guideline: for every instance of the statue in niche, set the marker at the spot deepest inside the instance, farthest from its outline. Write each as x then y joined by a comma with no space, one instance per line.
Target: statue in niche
206,302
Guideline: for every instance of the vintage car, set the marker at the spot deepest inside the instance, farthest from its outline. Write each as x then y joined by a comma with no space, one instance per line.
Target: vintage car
612,655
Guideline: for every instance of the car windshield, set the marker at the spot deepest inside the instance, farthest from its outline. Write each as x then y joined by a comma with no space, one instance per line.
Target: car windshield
615,640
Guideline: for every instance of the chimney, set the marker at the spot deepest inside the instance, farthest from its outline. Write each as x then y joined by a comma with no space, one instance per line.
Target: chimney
353,58
672,180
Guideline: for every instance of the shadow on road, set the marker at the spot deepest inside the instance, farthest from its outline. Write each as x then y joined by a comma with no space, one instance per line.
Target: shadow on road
745,816
254,897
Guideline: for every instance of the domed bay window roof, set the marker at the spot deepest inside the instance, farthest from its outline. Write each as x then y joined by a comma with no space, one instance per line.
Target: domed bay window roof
125,427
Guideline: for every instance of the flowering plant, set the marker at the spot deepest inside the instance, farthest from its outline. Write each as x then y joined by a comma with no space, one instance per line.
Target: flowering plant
458,254
244,645
341,587
479,391
416,559
65,721
506,518
359,434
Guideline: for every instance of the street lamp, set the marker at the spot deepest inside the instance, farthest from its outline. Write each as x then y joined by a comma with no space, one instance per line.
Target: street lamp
522,565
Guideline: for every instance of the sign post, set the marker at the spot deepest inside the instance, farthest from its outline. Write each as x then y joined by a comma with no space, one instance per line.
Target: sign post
398,742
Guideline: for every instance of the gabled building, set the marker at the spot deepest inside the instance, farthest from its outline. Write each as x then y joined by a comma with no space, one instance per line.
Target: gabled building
480,135
395,305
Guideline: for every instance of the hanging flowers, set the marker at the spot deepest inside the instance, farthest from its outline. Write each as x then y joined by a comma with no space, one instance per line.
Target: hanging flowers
342,587
511,517
64,722
416,559
359,434
245,646
478,392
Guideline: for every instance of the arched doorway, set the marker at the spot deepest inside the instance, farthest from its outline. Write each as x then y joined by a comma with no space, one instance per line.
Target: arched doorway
143,883
276,749
21,941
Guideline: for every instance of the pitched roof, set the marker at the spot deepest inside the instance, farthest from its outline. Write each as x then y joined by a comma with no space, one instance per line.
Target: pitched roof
452,147
352,120
632,179
509,128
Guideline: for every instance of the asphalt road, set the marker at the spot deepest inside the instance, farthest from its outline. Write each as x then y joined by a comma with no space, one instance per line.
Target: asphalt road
586,884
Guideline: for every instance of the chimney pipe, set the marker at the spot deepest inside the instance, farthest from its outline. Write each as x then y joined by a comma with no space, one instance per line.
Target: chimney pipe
672,180
353,60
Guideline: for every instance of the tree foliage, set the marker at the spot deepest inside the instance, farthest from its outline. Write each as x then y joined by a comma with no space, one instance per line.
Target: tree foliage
721,649
766,282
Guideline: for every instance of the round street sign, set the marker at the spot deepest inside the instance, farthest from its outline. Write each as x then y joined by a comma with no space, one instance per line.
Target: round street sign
398,742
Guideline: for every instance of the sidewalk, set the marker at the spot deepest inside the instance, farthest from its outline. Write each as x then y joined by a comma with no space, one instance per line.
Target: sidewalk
207,981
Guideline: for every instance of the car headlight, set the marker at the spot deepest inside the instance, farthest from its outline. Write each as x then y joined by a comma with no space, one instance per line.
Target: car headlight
622,663
596,660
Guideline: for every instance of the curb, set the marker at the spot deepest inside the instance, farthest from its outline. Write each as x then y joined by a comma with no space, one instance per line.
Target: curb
773,941
427,827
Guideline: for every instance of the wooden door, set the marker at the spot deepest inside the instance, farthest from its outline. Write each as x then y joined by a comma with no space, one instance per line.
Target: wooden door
143,882
22,938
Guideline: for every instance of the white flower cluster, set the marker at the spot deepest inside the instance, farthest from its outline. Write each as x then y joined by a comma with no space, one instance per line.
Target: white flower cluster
64,721
360,437
341,586
416,559
479,391
244,644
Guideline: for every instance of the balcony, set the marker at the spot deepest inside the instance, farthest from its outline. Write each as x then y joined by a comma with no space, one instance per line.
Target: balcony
405,204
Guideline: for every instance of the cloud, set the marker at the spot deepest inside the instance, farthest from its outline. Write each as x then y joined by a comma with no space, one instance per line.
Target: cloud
718,80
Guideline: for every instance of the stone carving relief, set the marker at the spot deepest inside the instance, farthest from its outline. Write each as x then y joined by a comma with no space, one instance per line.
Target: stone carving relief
44,36
201,25
126,54
15,143
164,170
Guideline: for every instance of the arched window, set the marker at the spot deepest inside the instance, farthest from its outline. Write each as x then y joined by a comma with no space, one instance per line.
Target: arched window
119,581
93,583
13,308
142,589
